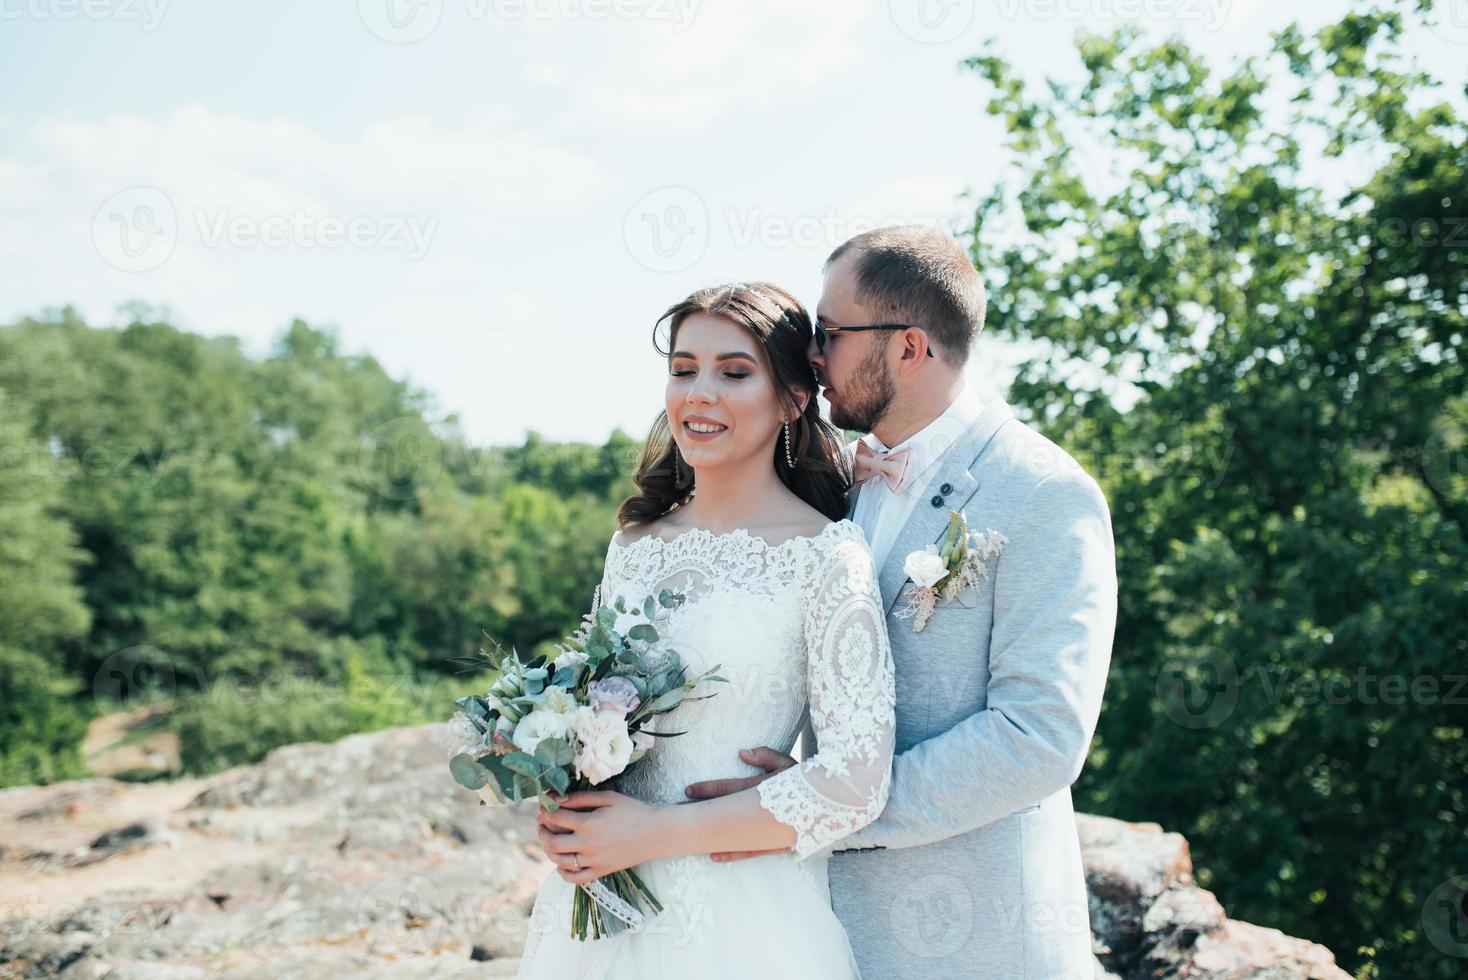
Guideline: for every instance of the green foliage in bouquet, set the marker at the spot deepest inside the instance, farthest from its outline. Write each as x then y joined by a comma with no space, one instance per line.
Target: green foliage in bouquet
553,725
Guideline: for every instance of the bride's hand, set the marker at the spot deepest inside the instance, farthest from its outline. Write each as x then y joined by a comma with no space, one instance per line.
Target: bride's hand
605,831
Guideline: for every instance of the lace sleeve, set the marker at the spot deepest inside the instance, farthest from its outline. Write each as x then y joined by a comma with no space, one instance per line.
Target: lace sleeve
843,786
603,594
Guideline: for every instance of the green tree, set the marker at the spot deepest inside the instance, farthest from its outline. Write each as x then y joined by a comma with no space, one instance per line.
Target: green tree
41,719
1260,358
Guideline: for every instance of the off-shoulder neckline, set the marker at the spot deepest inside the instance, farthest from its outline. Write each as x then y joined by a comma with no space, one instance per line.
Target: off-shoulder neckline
738,532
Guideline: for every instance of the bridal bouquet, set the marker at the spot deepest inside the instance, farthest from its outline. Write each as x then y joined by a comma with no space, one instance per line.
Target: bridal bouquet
574,722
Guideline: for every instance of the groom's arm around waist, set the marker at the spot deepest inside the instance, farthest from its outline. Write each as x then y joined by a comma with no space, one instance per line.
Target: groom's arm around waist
1050,647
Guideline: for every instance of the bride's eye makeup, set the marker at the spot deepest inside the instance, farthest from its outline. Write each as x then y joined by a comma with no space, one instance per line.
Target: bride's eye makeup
731,375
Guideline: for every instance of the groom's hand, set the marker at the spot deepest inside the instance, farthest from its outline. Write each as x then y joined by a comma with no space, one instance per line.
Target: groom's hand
763,757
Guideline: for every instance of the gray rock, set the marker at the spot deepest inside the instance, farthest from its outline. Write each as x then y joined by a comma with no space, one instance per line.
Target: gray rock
1150,920
363,858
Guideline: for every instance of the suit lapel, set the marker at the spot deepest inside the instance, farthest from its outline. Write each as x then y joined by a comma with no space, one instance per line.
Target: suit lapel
927,523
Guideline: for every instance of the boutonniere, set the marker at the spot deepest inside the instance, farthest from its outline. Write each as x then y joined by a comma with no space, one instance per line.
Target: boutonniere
947,570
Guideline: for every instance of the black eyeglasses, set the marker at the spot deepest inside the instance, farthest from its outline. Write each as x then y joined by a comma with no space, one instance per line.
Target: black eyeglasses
822,331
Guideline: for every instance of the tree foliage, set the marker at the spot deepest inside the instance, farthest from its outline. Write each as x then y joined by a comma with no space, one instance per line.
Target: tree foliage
179,519
1258,352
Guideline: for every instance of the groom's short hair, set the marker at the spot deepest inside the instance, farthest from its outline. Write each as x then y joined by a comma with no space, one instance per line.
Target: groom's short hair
922,276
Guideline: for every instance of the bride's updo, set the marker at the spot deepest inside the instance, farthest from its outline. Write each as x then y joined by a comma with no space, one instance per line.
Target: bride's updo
782,327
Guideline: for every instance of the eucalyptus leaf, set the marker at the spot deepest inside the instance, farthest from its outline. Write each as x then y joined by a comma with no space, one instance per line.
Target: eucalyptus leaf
522,763
558,780
666,702
553,752
467,771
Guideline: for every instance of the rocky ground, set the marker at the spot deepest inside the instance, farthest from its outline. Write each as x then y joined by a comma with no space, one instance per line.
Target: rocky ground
362,859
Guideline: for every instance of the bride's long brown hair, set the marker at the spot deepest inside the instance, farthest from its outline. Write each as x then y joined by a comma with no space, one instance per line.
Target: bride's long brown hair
782,327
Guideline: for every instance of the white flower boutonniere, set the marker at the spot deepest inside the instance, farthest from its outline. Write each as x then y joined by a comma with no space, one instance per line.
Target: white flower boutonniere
947,570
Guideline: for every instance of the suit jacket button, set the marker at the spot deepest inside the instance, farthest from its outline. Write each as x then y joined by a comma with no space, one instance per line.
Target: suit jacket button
947,489
937,501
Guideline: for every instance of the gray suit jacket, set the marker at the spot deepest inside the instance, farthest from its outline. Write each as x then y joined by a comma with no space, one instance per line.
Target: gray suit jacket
974,867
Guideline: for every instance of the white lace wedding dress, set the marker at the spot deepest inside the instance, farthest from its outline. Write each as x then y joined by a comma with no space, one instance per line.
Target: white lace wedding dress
794,627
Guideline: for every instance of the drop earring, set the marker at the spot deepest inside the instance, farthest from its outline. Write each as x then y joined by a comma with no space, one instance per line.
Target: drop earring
789,459
678,467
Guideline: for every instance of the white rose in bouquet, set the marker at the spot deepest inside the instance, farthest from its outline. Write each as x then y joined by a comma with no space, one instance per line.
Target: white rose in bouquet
539,724
558,700
926,567
569,658
606,748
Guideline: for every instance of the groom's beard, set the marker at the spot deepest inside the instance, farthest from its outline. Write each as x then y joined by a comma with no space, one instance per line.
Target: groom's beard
864,402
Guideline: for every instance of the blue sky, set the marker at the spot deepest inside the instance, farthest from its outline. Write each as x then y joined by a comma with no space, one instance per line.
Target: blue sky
497,197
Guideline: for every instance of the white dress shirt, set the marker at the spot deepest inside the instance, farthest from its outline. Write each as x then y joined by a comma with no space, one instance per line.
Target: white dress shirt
882,513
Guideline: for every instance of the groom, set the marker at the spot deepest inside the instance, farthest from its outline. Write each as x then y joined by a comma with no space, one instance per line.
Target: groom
974,867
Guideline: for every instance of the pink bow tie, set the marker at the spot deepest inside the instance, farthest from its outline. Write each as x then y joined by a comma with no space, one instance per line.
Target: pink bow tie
894,467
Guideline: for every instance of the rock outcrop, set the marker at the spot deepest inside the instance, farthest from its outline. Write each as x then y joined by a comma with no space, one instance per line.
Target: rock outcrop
361,858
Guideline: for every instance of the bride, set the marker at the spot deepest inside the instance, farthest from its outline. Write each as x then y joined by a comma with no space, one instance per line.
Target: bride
742,487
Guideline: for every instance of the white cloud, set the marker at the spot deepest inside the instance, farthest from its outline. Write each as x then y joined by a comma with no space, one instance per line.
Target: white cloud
256,208
733,55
